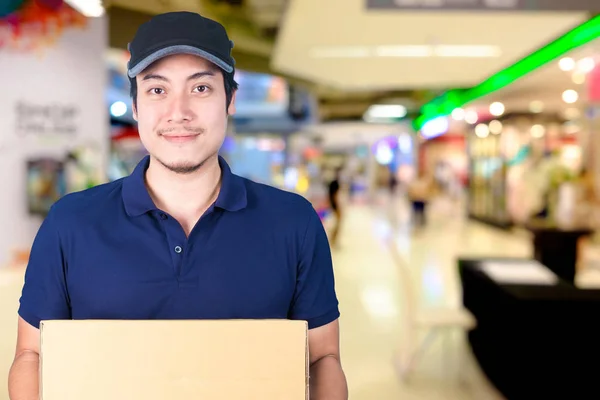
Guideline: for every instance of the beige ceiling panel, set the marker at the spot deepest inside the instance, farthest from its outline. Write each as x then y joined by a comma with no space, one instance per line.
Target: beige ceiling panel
337,42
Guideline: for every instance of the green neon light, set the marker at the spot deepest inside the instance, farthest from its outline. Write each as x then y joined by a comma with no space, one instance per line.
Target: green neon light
446,103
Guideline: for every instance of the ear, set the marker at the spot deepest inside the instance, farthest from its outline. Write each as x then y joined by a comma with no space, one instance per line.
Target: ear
231,108
135,113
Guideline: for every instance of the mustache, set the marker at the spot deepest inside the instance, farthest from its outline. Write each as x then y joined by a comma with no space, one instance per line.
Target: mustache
186,129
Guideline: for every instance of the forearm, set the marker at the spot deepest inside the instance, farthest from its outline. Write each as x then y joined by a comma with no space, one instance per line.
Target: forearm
327,380
23,378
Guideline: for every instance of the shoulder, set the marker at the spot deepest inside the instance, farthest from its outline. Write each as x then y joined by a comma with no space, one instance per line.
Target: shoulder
80,206
280,210
269,197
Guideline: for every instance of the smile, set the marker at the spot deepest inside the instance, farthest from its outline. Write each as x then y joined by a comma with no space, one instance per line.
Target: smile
180,138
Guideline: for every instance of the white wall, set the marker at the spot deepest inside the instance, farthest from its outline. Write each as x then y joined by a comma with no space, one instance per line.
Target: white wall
71,73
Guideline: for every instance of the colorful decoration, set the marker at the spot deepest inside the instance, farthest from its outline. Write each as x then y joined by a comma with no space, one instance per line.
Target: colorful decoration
7,7
36,24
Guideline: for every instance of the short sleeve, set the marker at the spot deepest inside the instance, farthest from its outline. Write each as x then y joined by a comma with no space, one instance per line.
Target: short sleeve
44,295
315,299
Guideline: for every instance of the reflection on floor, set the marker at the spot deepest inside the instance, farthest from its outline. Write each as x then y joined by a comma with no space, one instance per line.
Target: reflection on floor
372,300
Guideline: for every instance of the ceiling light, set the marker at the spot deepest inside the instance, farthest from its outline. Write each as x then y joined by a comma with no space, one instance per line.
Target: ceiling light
586,65
566,64
538,131
435,127
497,109
495,127
536,106
386,111
570,96
404,51
482,130
89,8
578,78
467,51
572,113
118,109
471,117
458,114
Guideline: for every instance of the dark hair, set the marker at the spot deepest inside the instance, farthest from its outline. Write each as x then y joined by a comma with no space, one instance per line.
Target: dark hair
228,77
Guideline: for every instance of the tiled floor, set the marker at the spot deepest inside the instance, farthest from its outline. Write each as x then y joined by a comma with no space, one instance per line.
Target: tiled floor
372,298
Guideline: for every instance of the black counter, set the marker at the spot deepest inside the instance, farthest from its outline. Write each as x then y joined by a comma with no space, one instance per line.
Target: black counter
534,342
557,247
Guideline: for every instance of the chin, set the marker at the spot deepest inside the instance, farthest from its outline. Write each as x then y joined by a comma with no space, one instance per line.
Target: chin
182,166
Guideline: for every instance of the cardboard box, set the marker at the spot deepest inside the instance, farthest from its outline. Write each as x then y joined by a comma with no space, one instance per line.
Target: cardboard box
173,360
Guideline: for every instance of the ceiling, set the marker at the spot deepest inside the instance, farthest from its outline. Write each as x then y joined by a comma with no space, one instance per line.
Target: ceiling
298,39
546,86
366,50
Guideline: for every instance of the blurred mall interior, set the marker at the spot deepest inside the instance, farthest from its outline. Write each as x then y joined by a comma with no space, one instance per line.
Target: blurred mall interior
466,133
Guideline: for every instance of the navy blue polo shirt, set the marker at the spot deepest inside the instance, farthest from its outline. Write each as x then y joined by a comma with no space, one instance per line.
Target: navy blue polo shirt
108,253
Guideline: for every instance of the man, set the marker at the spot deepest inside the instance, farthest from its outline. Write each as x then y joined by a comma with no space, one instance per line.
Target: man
182,237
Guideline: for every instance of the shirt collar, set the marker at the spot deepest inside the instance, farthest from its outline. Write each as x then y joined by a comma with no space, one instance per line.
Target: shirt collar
137,200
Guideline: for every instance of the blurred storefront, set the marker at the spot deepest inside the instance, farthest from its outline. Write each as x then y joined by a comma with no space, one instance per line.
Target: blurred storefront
369,156
445,158
55,132
514,161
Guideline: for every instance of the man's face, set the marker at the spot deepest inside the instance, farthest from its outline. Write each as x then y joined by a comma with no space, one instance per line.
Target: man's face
181,111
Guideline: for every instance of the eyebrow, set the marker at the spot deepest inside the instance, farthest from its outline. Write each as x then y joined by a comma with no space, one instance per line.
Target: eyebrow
156,77
201,74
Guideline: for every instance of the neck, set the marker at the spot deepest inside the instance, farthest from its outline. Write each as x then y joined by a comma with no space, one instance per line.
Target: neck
184,195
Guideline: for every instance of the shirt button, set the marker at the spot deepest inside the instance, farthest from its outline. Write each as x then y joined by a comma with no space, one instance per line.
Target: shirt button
163,216
178,249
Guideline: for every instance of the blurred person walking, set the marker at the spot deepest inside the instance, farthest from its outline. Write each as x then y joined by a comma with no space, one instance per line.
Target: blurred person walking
182,237
420,191
334,202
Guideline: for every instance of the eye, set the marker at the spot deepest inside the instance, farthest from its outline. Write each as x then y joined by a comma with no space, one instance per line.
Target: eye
202,89
157,91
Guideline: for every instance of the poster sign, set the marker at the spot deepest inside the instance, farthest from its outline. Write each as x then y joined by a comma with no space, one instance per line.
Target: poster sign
486,5
47,119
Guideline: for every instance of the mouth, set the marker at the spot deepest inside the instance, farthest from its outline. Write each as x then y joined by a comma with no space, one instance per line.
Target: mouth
180,138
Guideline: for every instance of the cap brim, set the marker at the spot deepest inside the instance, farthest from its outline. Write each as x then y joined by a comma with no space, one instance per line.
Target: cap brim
178,49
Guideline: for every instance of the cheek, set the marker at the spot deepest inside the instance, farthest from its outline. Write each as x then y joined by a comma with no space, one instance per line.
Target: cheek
211,116
218,126
149,114
148,121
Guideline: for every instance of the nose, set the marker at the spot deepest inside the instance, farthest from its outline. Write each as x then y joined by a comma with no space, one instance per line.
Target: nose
180,110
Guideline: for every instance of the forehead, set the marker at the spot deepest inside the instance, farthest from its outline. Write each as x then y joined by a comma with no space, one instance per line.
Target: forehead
183,63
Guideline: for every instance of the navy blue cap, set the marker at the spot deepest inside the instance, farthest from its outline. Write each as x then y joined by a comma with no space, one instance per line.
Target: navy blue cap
180,33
